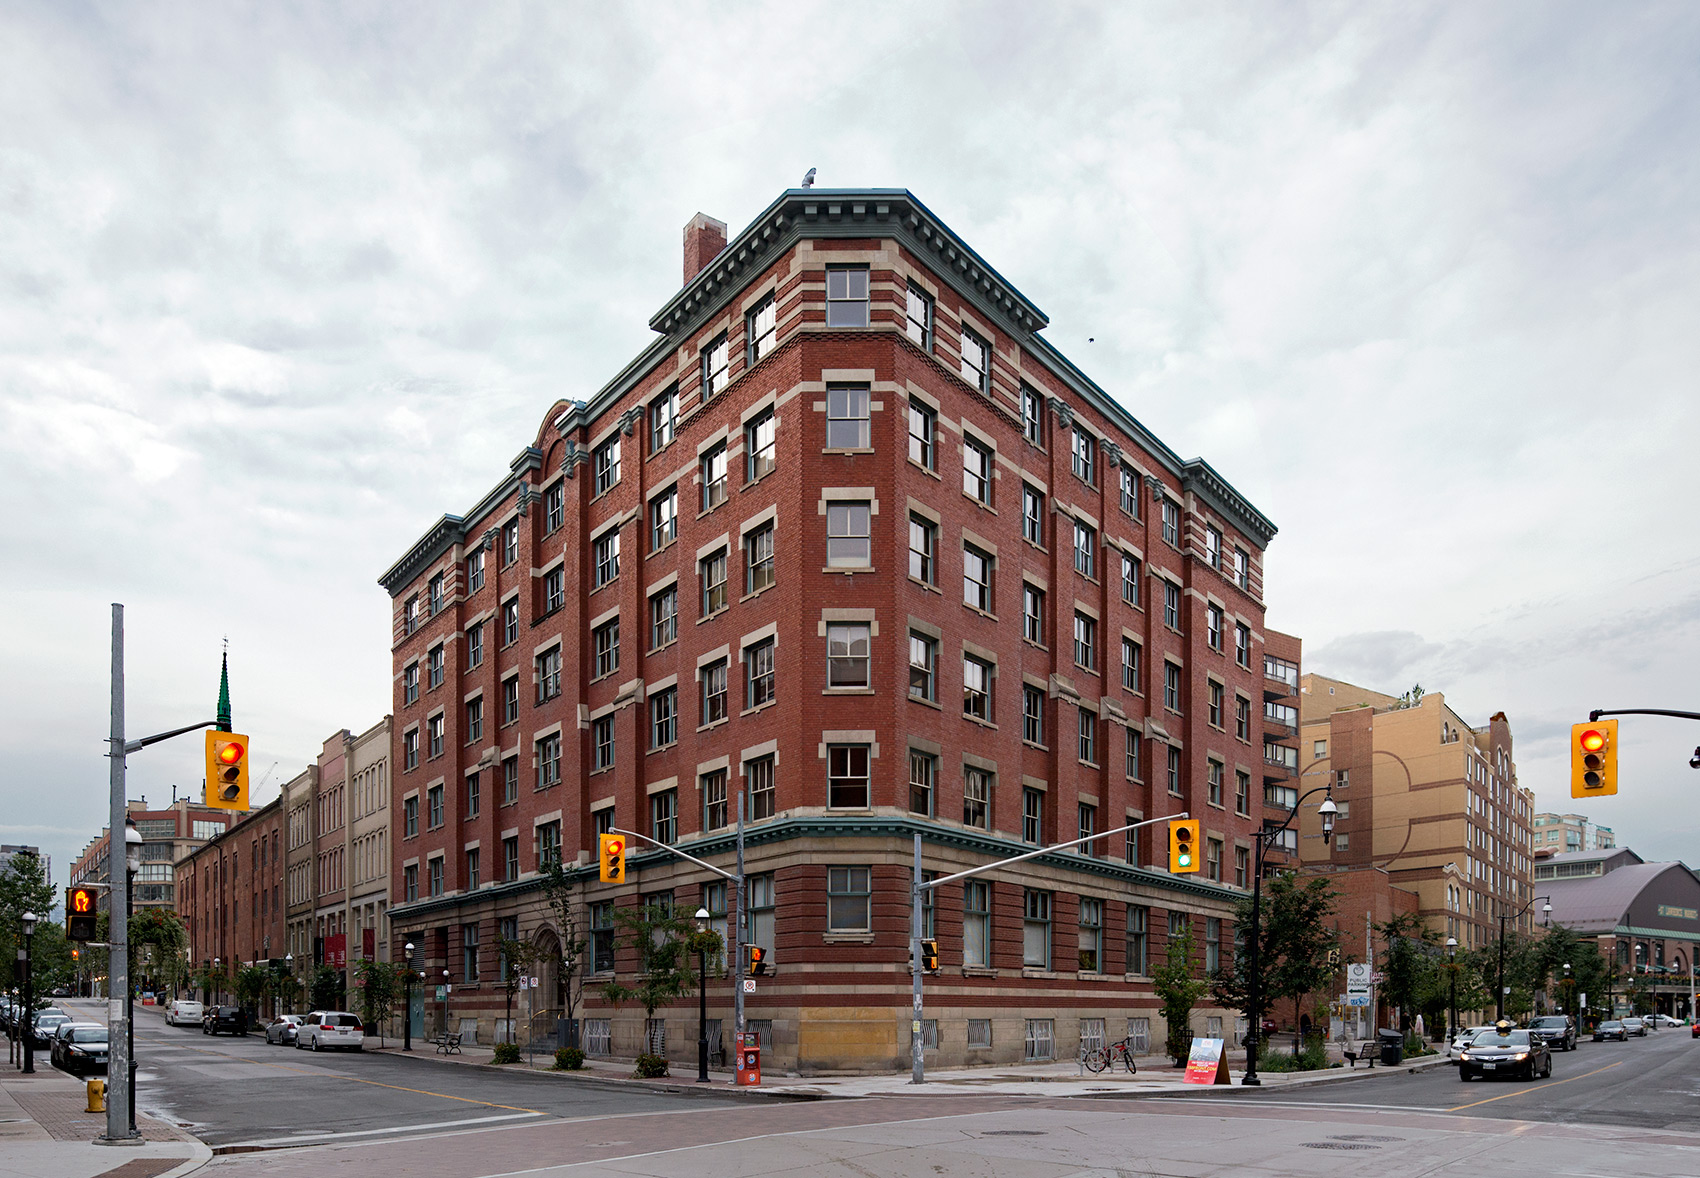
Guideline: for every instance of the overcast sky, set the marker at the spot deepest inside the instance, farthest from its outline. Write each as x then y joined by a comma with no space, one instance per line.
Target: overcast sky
281,285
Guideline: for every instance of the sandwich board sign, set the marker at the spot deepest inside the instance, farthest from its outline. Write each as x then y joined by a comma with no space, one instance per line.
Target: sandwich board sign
1207,1063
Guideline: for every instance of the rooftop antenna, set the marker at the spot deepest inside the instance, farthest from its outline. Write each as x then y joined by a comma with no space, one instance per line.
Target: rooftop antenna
809,178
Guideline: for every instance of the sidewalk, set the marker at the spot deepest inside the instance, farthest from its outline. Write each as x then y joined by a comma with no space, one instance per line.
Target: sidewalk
45,1133
1157,1077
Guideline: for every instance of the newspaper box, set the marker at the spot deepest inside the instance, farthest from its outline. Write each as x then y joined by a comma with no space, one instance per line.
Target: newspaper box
749,1059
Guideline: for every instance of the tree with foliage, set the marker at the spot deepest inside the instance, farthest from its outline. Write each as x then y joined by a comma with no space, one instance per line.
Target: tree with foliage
24,887
1178,988
253,982
666,945
326,988
162,931
287,988
1294,940
379,984
1409,964
561,893
519,956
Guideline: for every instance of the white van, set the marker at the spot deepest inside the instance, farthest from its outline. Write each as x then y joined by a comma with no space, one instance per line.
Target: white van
183,1012
324,1029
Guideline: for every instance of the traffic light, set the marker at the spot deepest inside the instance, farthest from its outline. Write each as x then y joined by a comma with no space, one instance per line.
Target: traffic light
79,914
611,852
1334,957
227,771
1593,759
1183,846
929,956
758,961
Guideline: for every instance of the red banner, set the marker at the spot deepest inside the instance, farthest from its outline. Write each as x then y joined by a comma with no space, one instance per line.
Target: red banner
336,951
369,943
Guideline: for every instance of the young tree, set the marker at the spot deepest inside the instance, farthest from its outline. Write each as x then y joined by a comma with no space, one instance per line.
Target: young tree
379,987
288,991
1294,939
253,982
1178,989
161,931
519,956
24,887
665,944
1409,964
326,988
560,892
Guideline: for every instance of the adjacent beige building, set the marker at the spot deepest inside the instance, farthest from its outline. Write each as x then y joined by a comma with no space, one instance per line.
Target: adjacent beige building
1424,795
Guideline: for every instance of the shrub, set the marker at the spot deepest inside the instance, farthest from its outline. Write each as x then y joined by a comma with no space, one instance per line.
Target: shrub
568,1059
1314,1057
651,1067
507,1053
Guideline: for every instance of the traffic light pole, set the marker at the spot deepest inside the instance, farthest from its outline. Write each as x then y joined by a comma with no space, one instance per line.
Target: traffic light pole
917,1046
1594,715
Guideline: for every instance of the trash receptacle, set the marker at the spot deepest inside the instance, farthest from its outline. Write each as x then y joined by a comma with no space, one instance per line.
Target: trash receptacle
566,1033
1392,1046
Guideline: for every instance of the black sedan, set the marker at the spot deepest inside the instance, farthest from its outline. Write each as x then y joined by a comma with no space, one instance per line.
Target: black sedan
231,1019
1611,1029
81,1050
1505,1051
1557,1030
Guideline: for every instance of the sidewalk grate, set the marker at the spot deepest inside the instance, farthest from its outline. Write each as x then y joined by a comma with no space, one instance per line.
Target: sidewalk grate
142,1168
1336,1145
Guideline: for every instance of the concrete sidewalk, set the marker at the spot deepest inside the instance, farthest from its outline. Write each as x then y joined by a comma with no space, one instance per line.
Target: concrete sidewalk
1156,1077
45,1132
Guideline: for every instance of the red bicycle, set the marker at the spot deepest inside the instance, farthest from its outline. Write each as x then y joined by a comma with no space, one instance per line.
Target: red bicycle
1100,1058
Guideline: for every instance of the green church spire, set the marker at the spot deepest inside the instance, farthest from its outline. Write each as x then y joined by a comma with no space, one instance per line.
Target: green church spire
224,696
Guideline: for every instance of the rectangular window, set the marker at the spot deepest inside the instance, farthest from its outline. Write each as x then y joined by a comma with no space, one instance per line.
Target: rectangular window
849,899
1032,516
472,876
436,592
436,870
1242,644
1085,549
1032,416
510,858
475,571
758,674
1242,718
1138,939
664,816
976,798
510,542
1213,545
1092,939
976,579
1088,816
1085,642
549,674
510,700
510,780
761,331
1242,569
664,617
473,794
1130,664
1129,492
1213,775
977,467
849,541
976,361
410,881
923,667
1214,706
664,718
711,571
716,813
1242,866
1036,929
434,666
410,749
1242,792
762,903
602,743
847,776
976,688
606,464
923,435
847,418
716,367
1088,737
554,590
1032,613
475,719
548,846
1171,605
714,705
1039,1040
605,641
923,778
758,775
760,437
554,507
1032,714
434,736
1085,452
1135,770
475,646
758,559
1174,770
1213,935
920,317
1171,522
664,519
549,761
434,807
976,923
848,646
510,622
1032,815
410,684
1130,579
663,419
602,937
1213,627
846,296
605,552
712,470
923,547
1171,687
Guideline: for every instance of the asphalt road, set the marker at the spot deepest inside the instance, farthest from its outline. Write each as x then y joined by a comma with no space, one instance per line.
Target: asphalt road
231,1090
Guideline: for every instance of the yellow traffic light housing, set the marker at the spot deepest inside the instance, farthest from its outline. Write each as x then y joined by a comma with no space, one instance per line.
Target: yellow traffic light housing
758,961
227,771
1183,846
79,914
929,956
1593,759
611,854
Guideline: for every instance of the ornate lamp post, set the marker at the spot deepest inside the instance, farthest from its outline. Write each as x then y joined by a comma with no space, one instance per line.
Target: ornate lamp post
1452,996
1254,985
1546,913
702,998
445,1002
407,1002
28,921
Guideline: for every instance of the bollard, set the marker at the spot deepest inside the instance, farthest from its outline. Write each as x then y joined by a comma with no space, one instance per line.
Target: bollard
97,1096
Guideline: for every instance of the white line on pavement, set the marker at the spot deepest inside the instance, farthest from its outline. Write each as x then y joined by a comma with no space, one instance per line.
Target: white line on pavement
316,1138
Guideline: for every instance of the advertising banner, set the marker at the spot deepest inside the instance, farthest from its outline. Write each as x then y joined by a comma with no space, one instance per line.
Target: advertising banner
1207,1063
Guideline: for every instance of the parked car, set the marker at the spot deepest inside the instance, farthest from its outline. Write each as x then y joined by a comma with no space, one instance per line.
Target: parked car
1505,1050
1611,1029
231,1019
1635,1026
75,1044
61,992
1665,1020
325,1029
1463,1038
281,1030
184,1012
46,1022
1558,1031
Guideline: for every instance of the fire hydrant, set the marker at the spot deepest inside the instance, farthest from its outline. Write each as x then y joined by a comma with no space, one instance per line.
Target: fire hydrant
97,1096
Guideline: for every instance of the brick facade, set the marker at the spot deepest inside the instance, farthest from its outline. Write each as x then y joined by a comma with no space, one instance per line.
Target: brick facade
230,895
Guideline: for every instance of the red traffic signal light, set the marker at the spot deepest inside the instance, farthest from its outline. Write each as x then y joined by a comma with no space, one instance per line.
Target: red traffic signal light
758,961
79,914
1592,740
227,771
1593,759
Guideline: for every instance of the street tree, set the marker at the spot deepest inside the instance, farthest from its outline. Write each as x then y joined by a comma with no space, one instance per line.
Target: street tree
325,989
253,982
564,896
1410,962
1294,940
518,957
665,944
379,987
24,887
1178,988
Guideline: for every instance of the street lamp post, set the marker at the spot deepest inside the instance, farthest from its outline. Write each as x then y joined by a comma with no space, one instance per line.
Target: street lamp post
702,998
28,921
1546,912
1452,994
1570,999
1254,988
132,865
446,1003
289,968
407,1002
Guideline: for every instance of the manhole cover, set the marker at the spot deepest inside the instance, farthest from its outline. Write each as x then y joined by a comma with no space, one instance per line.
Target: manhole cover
1362,1137
1336,1145
1013,1133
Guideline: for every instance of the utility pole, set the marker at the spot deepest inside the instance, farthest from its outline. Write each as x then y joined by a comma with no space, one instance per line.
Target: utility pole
118,1127
738,955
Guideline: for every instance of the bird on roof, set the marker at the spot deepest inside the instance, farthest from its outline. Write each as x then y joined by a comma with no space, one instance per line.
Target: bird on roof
809,178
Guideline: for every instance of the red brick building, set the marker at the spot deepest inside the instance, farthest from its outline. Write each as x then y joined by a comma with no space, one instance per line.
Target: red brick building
852,537
230,895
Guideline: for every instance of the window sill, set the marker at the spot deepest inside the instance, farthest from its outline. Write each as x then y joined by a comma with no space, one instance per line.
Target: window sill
662,647
664,547
1085,670
848,691
1092,765
1031,971
980,503
975,720
1087,577
1086,975
712,616
614,580
1136,977
849,569
913,580
662,748
758,708
708,511
756,482
926,470
847,450
930,703
847,938
1033,744
599,772
714,724
979,971
751,596
1037,645
974,609
604,675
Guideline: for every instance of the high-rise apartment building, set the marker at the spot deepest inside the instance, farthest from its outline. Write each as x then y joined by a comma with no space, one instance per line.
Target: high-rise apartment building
852,542
168,836
1557,834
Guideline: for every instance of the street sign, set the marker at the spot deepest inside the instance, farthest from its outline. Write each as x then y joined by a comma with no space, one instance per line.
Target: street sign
1357,1000
1358,976
749,985
442,993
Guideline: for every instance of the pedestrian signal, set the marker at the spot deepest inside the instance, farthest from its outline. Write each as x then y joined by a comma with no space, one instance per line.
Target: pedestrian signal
930,956
758,961
1593,759
611,852
1183,846
227,771
79,914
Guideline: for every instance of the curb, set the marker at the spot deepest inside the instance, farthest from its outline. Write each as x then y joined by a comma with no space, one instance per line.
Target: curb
201,1153
671,1087
1346,1077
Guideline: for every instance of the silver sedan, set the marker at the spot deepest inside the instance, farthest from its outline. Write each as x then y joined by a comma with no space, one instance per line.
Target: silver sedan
282,1029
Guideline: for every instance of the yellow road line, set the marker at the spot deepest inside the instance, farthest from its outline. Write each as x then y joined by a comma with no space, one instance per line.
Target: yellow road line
1542,1088
353,1079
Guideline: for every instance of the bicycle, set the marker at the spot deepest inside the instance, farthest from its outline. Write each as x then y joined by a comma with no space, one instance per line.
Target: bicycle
1100,1058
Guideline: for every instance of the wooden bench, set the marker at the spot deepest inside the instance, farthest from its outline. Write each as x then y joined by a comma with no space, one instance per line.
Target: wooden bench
1367,1051
448,1044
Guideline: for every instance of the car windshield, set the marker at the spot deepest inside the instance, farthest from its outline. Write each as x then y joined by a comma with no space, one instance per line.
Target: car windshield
1556,1023
89,1035
1611,1026
1496,1039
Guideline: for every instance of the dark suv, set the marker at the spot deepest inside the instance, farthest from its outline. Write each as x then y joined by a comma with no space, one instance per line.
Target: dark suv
1557,1030
232,1019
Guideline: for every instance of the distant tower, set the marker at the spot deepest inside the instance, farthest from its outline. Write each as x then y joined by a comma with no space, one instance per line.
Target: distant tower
224,696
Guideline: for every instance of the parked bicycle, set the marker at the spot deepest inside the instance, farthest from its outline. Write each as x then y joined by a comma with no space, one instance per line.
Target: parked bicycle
1100,1058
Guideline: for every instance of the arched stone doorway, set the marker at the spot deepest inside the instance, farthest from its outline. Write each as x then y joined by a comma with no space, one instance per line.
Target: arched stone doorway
547,970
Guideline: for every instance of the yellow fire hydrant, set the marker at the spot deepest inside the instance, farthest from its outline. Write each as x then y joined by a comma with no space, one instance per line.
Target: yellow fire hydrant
97,1096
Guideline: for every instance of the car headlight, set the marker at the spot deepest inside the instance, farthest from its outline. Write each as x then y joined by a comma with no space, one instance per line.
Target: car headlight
1463,1055
1521,1055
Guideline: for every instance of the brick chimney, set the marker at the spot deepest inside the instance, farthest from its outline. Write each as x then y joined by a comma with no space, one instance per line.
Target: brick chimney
704,239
